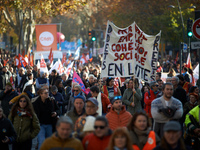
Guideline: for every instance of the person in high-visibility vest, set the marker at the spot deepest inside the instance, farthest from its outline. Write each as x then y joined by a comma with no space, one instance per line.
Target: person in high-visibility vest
172,138
142,137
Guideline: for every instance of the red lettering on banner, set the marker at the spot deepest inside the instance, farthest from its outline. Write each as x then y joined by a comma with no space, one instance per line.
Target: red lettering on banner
122,47
45,39
125,38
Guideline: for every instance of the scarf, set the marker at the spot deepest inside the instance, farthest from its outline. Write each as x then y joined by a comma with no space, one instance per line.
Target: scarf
24,113
142,135
99,111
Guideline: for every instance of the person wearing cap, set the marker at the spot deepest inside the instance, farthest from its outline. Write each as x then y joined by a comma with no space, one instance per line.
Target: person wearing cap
102,100
78,109
172,138
62,139
132,97
91,108
3,78
150,96
165,108
118,116
98,140
5,96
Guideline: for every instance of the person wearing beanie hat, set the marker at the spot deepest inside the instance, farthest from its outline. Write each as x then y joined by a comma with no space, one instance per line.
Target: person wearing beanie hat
78,108
118,116
89,126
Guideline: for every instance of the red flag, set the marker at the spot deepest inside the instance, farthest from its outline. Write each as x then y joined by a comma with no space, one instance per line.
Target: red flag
12,82
51,56
64,58
83,59
30,59
22,60
188,64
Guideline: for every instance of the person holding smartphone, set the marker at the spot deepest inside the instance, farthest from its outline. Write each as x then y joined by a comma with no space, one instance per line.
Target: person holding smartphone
7,132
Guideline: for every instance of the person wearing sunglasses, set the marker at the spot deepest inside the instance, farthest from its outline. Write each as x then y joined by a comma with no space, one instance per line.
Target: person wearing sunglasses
25,122
70,97
98,140
150,96
132,97
118,116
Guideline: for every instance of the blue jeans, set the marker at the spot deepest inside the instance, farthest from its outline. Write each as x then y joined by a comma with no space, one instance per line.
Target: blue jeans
45,132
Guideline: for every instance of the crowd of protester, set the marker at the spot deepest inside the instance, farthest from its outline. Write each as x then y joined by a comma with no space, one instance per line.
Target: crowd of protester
133,115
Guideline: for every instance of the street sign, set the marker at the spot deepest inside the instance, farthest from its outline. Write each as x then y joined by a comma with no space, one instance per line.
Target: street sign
195,45
184,47
196,28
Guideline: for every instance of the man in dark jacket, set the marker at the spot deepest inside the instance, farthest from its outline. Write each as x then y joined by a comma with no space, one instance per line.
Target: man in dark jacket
6,96
179,92
3,78
53,77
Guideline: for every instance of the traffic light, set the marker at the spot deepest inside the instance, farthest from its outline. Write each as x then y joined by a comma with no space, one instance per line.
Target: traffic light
89,33
93,36
189,28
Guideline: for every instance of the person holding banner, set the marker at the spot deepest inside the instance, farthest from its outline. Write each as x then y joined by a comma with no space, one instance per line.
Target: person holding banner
110,89
132,98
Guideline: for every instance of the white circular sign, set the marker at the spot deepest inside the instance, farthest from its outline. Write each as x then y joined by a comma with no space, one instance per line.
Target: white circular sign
46,38
196,28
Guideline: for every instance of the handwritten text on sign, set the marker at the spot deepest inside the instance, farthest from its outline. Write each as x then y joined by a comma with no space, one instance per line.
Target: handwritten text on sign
129,52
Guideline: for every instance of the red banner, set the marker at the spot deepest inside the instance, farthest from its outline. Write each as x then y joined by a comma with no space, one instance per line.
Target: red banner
46,36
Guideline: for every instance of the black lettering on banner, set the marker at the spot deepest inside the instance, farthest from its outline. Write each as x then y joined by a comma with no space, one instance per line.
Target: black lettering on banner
154,55
155,45
106,48
104,65
140,71
110,69
114,69
109,29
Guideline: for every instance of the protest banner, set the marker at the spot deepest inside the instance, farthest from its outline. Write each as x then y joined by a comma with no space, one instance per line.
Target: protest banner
78,80
46,36
129,51
68,69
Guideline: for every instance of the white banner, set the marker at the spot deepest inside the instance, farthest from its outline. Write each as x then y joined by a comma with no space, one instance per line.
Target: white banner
129,51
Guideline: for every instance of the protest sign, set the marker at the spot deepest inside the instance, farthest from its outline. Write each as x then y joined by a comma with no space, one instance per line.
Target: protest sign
129,52
78,80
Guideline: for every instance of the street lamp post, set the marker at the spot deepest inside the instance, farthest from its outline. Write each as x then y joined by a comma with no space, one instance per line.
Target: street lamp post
183,28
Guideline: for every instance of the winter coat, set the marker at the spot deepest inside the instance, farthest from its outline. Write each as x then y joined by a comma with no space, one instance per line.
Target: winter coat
6,129
118,120
127,99
148,98
3,80
5,98
27,128
73,115
92,142
55,143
